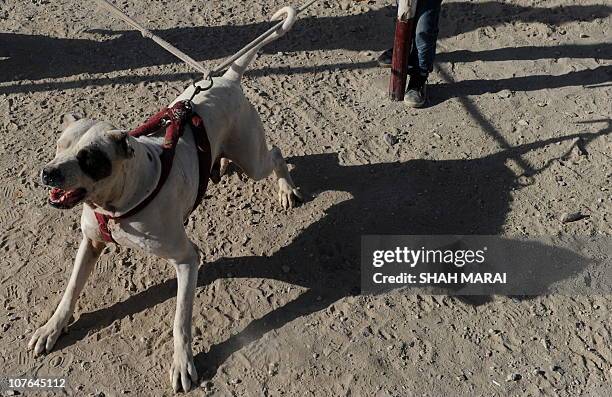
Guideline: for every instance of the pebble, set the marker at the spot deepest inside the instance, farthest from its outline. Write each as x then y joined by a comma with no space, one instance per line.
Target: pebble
513,377
525,180
5,327
505,94
524,123
208,385
584,35
390,139
272,371
572,217
345,5
11,393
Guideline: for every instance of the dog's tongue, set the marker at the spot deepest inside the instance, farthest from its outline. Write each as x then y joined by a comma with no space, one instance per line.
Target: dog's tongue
66,198
56,194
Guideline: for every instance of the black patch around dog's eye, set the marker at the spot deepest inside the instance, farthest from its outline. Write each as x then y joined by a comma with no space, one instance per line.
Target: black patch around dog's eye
94,163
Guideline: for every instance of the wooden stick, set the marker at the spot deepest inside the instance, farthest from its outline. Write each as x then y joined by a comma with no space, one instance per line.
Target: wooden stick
402,44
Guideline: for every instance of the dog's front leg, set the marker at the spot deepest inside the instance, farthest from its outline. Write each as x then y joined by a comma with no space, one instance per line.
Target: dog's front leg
45,337
183,372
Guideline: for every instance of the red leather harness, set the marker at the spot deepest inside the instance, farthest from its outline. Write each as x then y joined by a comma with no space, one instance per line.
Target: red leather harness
174,120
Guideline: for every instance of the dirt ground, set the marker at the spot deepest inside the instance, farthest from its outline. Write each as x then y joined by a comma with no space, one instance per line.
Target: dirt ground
517,133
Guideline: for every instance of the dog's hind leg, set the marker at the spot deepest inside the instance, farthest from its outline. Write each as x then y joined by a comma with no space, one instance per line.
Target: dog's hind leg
183,372
45,337
250,152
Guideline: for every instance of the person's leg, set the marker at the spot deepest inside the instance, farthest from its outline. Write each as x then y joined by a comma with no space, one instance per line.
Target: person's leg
423,51
426,34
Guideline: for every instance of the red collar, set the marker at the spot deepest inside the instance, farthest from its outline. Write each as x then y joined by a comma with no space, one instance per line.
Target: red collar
174,120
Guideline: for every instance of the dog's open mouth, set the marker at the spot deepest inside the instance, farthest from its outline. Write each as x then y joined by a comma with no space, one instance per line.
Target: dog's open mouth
65,199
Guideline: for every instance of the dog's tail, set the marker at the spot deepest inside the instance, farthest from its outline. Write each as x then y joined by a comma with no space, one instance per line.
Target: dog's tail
237,68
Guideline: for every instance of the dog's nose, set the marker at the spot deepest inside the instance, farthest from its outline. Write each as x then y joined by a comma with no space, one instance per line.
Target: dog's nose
51,176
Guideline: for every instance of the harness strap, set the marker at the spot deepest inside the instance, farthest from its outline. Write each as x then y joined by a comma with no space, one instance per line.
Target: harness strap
173,119
103,226
204,156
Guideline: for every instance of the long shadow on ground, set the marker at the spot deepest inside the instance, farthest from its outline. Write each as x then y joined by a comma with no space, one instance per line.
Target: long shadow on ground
370,30
416,197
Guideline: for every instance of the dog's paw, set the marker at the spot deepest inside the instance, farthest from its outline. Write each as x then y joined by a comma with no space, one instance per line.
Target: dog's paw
45,337
288,195
183,372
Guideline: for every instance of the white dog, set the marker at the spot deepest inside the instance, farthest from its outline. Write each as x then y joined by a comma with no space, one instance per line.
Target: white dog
112,172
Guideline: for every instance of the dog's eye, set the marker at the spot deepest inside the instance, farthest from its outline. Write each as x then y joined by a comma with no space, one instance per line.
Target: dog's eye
94,163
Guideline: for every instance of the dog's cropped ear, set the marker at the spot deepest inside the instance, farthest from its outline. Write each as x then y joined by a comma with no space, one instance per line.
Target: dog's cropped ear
69,118
122,141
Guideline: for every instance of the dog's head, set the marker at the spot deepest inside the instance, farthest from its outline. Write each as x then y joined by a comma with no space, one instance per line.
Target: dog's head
89,153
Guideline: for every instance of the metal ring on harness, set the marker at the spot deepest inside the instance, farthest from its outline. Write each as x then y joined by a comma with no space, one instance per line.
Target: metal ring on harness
198,89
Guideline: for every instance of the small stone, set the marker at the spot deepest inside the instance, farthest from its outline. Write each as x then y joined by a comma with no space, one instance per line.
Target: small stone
524,123
461,378
207,385
584,35
345,5
11,393
5,327
513,377
524,180
572,217
505,94
272,369
390,139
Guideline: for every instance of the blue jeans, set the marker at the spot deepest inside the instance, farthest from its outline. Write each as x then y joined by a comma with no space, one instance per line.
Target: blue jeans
423,50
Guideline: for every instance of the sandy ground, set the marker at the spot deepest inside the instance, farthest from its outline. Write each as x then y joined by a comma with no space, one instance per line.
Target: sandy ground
278,309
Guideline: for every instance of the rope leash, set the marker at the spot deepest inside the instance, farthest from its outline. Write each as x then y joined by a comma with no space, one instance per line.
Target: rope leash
208,74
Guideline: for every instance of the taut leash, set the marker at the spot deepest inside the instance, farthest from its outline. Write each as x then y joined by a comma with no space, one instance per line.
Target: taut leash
208,74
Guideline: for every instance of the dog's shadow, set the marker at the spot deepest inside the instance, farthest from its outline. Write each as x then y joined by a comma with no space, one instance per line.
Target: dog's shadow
422,197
